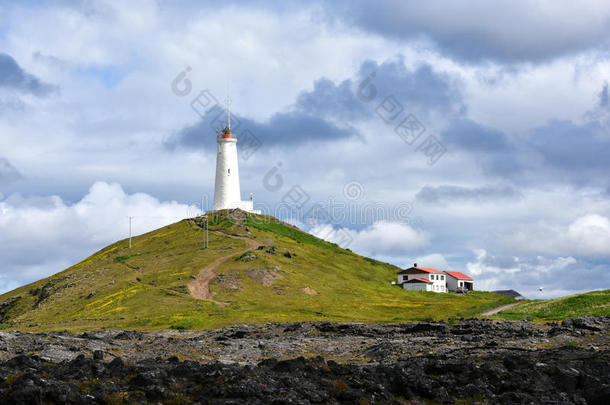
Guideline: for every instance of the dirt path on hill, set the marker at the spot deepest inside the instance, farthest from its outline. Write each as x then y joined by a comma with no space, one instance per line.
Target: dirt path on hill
200,287
498,309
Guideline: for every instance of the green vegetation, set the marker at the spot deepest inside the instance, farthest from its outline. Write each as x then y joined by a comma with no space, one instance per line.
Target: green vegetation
121,259
270,224
502,300
589,304
145,287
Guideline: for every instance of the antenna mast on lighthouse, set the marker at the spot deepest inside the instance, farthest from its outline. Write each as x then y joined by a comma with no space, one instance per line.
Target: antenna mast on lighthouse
229,112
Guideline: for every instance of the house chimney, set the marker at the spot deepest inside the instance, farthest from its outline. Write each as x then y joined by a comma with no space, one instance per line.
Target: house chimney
414,264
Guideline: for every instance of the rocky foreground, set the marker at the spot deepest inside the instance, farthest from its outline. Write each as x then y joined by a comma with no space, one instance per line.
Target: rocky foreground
467,361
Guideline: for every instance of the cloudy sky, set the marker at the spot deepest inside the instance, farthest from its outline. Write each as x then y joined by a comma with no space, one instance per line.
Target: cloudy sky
471,136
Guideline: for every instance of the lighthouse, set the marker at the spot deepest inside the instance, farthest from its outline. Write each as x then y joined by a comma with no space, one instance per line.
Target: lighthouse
227,193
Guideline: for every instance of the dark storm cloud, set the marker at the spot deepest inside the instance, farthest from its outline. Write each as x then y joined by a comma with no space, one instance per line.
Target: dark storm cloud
327,112
330,100
558,152
575,148
493,151
467,134
421,89
448,194
478,31
12,76
282,128
550,153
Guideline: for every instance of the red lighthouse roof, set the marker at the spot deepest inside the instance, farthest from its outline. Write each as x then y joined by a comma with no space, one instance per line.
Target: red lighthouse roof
226,133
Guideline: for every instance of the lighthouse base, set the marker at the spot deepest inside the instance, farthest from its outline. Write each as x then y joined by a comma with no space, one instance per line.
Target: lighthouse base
247,206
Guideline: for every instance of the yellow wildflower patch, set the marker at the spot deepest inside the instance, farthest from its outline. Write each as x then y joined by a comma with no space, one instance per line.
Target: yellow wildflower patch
162,234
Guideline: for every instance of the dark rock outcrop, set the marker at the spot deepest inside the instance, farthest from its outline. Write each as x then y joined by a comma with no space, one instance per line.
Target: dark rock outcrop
462,361
6,305
550,376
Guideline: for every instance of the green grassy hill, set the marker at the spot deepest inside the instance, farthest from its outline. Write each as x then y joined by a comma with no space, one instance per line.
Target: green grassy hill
589,304
146,286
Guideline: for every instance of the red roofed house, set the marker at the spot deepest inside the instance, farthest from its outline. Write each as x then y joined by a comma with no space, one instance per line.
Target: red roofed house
422,279
457,281
429,279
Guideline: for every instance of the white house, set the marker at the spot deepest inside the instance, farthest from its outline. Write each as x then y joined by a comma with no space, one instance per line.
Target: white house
457,281
422,279
429,279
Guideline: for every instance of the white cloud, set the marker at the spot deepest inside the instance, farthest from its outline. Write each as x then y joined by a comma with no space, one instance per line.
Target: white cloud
389,239
587,235
590,235
42,235
557,275
434,260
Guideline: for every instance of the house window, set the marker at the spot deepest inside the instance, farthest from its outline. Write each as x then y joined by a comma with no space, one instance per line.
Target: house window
229,171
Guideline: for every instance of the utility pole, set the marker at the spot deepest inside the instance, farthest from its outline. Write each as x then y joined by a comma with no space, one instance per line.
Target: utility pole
206,240
130,231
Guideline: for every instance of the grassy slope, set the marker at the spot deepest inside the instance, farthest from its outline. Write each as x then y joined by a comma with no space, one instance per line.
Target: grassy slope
588,304
143,287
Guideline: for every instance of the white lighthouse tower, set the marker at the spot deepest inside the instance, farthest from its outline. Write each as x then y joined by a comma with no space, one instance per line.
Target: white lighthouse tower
227,193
